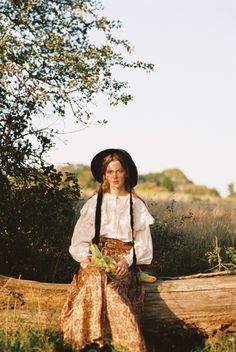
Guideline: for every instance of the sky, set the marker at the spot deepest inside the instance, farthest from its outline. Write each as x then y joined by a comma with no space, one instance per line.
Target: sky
183,115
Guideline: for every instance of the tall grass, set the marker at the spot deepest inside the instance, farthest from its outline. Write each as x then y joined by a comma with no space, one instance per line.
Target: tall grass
220,343
41,341
32,340
32,329
184,234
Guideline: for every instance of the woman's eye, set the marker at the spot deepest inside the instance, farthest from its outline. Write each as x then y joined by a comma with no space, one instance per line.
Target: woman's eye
109,172
118,172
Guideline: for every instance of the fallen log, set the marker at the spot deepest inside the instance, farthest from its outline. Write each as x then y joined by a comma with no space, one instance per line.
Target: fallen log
203,303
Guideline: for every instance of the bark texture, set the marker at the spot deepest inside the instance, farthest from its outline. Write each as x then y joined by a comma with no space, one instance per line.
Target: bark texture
202,303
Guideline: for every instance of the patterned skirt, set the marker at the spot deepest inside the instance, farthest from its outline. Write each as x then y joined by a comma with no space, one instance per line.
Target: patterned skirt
104,309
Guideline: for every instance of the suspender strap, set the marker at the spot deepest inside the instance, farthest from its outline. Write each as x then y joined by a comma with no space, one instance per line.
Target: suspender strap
98,216
132,228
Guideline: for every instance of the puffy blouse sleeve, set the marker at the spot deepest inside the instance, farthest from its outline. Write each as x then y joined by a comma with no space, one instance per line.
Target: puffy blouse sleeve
83,231
142,235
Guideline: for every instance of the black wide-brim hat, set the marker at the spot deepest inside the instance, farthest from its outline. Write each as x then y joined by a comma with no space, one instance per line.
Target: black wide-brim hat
96,165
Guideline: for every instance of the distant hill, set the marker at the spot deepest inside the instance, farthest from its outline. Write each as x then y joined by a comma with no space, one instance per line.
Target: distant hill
169,180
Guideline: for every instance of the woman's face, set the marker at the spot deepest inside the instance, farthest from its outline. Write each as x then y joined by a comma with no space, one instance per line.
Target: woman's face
116,175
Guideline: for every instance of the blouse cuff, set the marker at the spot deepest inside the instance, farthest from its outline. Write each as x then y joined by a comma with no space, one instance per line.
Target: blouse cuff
129,258
78,255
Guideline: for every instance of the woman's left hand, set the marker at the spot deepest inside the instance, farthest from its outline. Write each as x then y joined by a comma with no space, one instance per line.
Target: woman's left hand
122,267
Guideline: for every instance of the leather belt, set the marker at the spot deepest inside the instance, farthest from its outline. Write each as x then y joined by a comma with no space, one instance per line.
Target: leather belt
114,243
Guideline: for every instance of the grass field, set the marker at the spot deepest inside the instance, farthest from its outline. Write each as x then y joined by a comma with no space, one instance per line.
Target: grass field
52,341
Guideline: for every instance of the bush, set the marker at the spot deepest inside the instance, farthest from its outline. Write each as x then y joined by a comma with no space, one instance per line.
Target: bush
167,183
36,225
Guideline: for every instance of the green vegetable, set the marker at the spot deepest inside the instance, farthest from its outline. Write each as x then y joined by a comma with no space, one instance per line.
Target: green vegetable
104,262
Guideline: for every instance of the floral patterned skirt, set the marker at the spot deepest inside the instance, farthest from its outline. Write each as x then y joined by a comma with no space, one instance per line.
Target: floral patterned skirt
101,308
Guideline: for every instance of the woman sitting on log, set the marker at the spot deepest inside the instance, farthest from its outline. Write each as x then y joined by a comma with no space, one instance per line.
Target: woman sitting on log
103,308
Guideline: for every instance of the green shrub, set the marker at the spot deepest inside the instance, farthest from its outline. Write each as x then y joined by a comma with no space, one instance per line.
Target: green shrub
167,183
36,222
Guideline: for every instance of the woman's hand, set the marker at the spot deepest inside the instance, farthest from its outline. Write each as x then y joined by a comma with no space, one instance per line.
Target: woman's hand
86,262
122,267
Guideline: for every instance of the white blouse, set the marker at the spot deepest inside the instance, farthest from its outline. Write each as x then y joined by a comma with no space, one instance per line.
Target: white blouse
115,223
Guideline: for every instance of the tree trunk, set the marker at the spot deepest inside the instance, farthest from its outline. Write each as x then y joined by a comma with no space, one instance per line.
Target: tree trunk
203,303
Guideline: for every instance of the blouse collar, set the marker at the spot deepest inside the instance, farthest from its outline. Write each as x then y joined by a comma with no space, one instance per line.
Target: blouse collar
113,196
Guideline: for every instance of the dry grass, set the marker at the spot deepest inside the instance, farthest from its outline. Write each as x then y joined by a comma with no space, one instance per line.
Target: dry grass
185,231
25,324
208,218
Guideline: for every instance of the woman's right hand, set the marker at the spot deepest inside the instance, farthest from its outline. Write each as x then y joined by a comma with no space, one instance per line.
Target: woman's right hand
122,268
86,262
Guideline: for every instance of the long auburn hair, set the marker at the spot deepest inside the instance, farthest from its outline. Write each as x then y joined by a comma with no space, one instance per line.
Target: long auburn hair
105,187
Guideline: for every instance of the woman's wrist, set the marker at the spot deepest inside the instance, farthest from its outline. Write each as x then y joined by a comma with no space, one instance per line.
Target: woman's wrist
86,261
125,261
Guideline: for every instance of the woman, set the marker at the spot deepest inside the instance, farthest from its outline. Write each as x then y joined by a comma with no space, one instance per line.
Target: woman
101,308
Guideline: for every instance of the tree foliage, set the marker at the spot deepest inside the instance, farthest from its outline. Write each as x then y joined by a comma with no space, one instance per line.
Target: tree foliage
56,56
83,174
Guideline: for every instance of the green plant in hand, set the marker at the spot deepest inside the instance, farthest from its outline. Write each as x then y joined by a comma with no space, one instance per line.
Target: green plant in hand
104,262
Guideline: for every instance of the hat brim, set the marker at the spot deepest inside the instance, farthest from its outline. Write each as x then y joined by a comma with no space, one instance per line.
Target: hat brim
96,165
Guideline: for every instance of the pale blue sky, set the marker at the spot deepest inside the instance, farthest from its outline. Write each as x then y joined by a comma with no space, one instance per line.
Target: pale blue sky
184,113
